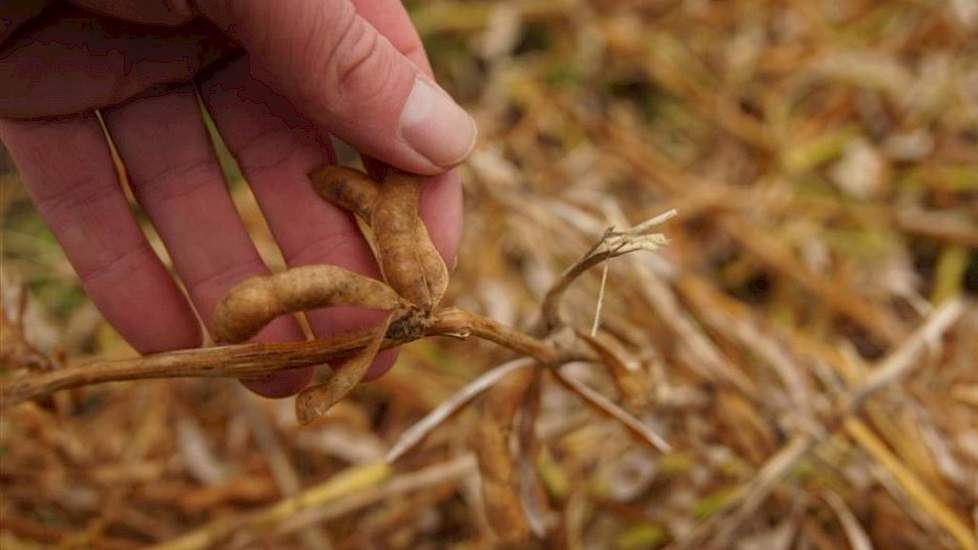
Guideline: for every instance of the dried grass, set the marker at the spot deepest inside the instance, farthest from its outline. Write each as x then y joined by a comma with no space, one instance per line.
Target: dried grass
806,337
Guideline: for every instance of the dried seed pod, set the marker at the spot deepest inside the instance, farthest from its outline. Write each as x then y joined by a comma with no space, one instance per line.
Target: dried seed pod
497,466
533,495
255,302
408,259
347,188
315,401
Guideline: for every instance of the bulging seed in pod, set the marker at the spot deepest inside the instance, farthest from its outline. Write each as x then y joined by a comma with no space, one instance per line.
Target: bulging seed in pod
409,260
316,400
350,189
255,302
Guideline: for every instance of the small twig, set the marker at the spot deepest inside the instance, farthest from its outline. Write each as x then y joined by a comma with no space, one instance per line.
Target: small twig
698,351
413,436
607,408
611,245
600,304
856,535
900,362
912,485
632,383
464,323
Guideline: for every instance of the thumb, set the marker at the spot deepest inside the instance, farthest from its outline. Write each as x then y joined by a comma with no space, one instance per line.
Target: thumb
349,79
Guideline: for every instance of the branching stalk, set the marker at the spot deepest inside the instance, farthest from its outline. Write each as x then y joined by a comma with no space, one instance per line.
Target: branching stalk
255,360
611,245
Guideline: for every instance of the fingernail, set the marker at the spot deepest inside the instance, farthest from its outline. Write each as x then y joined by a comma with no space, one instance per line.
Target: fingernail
436,127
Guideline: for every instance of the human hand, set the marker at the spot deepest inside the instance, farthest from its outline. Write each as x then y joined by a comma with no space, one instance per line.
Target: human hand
277,78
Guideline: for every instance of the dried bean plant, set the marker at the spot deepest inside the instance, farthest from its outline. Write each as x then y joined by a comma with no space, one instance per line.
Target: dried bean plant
415,280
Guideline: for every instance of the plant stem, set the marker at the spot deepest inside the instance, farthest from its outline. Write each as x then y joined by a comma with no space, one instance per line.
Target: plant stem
255,360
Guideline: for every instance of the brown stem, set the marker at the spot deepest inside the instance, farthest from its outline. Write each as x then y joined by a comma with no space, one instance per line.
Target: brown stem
551,302
254,360
487,329
611,245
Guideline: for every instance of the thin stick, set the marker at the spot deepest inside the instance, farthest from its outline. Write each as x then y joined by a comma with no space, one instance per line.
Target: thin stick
607,408
413,436
856,535
915,488
600,304
900,362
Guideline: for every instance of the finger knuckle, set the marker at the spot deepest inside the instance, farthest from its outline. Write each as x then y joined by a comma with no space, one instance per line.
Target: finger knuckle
355,55
358,68
177,181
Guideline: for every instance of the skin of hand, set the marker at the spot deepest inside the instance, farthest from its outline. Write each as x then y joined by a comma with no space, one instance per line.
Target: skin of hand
278,78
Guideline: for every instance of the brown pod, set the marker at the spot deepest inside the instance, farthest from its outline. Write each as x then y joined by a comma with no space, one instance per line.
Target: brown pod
409,260
350,189
497,465
316,401
255,302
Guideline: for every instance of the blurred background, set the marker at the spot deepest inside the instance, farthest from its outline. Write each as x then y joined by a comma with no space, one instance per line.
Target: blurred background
823,160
